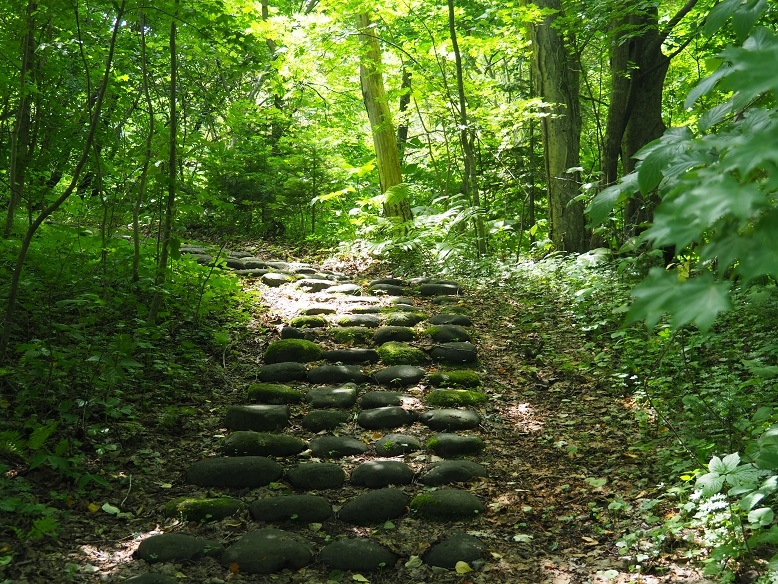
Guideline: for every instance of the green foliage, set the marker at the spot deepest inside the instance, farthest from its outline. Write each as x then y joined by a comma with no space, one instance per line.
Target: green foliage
717,183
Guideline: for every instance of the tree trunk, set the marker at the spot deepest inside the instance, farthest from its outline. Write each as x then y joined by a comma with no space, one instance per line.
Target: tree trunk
20,138
556,76
167,226
638,71
467,138
384,141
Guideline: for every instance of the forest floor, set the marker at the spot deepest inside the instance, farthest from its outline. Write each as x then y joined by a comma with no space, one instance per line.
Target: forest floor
566,478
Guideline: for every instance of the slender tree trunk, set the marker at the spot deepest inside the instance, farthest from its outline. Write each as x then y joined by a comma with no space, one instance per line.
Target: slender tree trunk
467,138
384,141
167,225
20,137
556,76
13,292
144,175
405,101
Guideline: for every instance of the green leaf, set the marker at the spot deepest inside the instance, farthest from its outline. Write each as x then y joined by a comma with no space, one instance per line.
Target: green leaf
745,17
604,202
718,15
710,483
396,194
697,301
725,465
763,516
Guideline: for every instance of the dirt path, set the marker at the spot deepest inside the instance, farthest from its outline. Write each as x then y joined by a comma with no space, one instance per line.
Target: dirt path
562,483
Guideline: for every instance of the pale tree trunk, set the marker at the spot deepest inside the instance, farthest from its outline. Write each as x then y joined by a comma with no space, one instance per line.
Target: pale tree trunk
556,77
638,71
467,138
167,225
384,140
13,291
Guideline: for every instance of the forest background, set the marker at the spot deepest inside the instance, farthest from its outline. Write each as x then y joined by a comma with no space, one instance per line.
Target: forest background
499,132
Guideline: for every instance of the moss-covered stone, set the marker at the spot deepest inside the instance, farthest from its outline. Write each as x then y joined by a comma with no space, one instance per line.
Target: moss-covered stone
298,350
248,443
352,335
404,318
455,397
447,333
308,321
395,353
386,334
455,378
196,509
274,393
454,445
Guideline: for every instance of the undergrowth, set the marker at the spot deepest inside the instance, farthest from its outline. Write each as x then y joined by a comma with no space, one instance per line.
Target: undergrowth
85,365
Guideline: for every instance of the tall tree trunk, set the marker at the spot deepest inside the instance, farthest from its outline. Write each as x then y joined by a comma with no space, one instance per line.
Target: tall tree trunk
467,138
167,226
405,101
20,138
638,71
384,141
556,77
13,291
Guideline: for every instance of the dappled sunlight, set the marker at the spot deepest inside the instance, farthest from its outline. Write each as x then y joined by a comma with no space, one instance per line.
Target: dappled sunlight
523,418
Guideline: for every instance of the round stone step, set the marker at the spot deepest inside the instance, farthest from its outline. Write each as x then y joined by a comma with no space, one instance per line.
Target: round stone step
336,374
350,289
396,445
399,375
450,419
457,547
365,320
445,333
452,471
454,445
336,446
374,507
248,443
275,279
386,418
380,399
281,372
377,474
387,289
234,471
396,353
386,334
260,418
447,504
299,350
357,555
405,319
440,288
314,476
455,397
274,393
308,321
459,352
343,396
314,284
320,420
203,509
265,551
446,318
298,508
177,547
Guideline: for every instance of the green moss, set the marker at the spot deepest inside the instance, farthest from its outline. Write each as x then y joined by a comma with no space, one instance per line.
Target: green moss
194,509
308,321
351,335
455,378
298,350
455,397
423,501
396,353
388,445
274,393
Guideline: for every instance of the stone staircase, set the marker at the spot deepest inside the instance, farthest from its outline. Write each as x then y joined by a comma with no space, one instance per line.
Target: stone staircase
364,414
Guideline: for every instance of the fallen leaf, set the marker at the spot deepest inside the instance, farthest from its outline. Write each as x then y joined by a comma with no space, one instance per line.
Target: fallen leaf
463,568
110,509
414,562
93,507
359,578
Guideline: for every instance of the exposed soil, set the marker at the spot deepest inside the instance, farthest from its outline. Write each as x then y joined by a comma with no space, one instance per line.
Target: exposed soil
558,451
